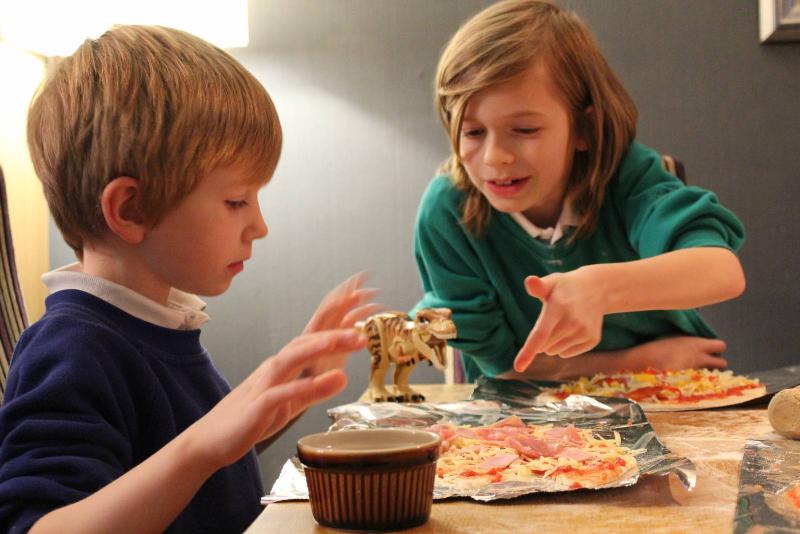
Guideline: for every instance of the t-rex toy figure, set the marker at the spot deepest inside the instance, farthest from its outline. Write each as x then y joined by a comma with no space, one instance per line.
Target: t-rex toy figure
395,338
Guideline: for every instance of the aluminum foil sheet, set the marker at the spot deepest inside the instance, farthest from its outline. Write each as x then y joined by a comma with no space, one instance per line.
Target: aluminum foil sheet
491,402
622,415
768,470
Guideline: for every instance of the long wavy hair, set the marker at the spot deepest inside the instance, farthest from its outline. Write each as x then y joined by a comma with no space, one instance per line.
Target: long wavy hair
499,44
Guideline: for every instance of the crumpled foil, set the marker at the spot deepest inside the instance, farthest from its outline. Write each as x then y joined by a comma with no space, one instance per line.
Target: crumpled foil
768,469
492,401
622,415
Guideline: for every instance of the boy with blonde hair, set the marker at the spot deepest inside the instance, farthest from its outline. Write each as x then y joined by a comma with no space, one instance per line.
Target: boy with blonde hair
152,145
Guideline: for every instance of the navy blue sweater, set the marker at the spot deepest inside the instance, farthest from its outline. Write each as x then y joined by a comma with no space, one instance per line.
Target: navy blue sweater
92,392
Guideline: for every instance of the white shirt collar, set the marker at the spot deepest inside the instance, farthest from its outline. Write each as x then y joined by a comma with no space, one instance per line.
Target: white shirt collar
182,312
551,234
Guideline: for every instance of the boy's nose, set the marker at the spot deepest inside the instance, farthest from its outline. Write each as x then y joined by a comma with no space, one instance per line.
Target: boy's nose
495,153
258,229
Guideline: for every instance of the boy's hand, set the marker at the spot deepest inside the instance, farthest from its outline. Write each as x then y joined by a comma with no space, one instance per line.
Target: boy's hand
271,396
571,319
346,304
680,352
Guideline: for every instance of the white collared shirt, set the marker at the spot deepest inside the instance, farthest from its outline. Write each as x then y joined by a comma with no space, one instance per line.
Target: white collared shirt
182,312
551,234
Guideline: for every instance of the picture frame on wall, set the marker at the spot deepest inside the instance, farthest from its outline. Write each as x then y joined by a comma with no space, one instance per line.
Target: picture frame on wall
779,20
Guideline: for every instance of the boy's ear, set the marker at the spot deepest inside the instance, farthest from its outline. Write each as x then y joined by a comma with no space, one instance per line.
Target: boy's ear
120,204
584,127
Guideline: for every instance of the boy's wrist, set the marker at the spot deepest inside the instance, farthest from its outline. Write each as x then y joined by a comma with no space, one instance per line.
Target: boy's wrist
190,453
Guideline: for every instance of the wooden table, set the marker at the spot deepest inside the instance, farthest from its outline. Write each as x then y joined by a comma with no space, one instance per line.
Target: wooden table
713,440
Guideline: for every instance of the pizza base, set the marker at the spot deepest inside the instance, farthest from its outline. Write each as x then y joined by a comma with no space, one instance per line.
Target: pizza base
599,479
560,482
604,462
705,404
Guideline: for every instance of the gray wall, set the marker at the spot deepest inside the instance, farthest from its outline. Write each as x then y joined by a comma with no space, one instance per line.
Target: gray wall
352,82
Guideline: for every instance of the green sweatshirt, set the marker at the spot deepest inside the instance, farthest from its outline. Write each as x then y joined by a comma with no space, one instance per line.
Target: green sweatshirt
646,212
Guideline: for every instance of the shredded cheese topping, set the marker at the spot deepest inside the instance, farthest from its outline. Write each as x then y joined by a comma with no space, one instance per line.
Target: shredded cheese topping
512,450
654,385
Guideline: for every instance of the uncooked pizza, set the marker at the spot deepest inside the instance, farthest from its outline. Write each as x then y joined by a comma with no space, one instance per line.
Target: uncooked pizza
511,451
657,390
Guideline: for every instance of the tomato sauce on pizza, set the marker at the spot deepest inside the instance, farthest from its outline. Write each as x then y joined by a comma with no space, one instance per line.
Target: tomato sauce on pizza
659,389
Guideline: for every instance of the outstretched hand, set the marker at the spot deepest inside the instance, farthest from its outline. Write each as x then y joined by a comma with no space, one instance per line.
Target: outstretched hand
342,307
571,319
306,371
273,395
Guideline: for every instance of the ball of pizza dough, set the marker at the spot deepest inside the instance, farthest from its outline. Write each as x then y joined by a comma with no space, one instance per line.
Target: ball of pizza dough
784,413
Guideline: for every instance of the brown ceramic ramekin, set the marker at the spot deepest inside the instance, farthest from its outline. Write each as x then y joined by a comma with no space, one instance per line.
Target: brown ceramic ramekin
375,479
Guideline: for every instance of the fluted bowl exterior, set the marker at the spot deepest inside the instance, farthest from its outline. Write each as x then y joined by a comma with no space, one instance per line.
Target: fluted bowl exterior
375,479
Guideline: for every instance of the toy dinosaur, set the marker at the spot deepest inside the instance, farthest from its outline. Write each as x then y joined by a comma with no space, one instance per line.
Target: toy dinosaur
395,338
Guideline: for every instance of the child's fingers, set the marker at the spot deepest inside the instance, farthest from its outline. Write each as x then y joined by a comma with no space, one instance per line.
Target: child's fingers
572,342
531,347
318,388
361,312
299,395
308,347
349,294
352,281
712,362
712,346
366,294
523,360
255,376
335,338
563,335
350,284
543,331
528,352
355,300
301,352
536,287
577,349
542,287
558,346
357,280
328,384
539,338
333,299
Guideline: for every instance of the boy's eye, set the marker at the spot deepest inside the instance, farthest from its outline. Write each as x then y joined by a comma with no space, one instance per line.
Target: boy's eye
526,131
472,132
236,204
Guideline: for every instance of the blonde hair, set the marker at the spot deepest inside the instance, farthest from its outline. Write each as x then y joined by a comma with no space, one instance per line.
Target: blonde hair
499,44
149,102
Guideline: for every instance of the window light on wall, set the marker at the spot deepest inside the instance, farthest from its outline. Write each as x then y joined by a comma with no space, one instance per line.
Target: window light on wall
57,28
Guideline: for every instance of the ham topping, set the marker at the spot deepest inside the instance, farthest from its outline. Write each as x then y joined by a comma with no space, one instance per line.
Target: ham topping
514,434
